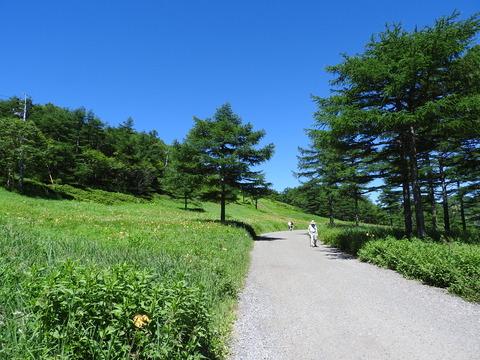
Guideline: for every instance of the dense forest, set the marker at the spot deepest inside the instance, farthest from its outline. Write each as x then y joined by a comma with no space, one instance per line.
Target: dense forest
61,146
403,120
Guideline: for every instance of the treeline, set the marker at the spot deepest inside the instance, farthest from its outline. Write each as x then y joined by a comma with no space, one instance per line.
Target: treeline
62,146
315,199
404,120
54,145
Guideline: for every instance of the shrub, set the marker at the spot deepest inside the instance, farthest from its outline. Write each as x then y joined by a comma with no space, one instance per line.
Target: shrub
352,239
82,312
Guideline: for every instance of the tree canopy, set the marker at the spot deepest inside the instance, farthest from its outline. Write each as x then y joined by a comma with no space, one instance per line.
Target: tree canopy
410,105
227,149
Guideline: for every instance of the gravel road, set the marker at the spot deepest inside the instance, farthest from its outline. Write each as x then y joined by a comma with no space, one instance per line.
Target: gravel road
316,303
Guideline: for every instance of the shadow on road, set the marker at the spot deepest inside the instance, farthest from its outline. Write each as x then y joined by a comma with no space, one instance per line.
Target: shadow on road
268,238
335,254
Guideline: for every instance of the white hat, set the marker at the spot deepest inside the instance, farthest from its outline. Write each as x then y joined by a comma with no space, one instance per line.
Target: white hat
312,222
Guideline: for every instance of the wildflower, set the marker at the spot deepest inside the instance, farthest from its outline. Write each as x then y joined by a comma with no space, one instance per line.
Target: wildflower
140,320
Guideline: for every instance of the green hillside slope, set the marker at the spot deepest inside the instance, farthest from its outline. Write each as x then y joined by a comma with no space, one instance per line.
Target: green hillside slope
38,236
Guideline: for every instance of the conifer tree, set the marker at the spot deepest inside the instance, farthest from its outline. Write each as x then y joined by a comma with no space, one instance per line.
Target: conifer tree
227,149
405,85
182,178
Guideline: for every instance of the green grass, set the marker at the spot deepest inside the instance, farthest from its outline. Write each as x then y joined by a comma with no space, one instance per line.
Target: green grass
39,236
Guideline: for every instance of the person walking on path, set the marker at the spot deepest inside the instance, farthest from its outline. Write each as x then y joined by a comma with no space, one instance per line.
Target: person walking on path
290,225
313,232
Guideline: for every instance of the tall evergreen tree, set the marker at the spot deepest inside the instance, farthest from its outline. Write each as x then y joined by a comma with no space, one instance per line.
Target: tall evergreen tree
227,150
182,178
256,186
404,85
322,164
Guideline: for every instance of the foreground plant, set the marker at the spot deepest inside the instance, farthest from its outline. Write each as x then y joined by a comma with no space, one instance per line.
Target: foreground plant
80,312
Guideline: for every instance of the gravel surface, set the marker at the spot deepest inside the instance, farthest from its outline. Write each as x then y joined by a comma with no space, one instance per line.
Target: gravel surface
317,303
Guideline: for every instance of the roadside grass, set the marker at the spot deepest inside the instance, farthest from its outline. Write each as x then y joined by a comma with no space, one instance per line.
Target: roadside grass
452,265
166,251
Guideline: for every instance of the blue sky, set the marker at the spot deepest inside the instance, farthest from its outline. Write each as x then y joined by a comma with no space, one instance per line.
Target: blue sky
163,62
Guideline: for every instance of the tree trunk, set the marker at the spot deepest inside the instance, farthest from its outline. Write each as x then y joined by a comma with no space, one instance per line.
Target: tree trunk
407,209
185,198
431,195
417,195
356,209
256,203
446,215
21,174
9,179
407,205
330,209
222,203
462,207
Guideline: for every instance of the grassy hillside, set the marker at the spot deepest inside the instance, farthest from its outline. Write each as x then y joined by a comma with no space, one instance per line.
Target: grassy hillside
39,237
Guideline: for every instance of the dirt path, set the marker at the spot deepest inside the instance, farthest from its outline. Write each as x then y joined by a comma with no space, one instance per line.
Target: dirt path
316,303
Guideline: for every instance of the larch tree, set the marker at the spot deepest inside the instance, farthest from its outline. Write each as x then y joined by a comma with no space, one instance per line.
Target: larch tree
322,165
182,178
402,87
227,149
255,186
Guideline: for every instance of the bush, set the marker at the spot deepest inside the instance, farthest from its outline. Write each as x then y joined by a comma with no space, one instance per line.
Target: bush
80,312
352,239
453,266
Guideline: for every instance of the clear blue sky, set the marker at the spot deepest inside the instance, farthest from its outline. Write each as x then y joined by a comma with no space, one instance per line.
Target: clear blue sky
162,62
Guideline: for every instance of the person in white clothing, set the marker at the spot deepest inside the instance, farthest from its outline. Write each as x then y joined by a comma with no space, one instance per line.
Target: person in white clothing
290,225
313,232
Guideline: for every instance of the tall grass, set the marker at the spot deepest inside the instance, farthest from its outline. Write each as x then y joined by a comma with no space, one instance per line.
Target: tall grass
39,238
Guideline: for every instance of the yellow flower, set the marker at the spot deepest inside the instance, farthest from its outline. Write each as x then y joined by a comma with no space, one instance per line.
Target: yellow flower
141,320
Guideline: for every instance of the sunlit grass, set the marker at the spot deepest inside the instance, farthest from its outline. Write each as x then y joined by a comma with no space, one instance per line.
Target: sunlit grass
157,235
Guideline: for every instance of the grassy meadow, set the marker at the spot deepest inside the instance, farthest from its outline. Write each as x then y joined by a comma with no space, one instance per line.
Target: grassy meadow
66,244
